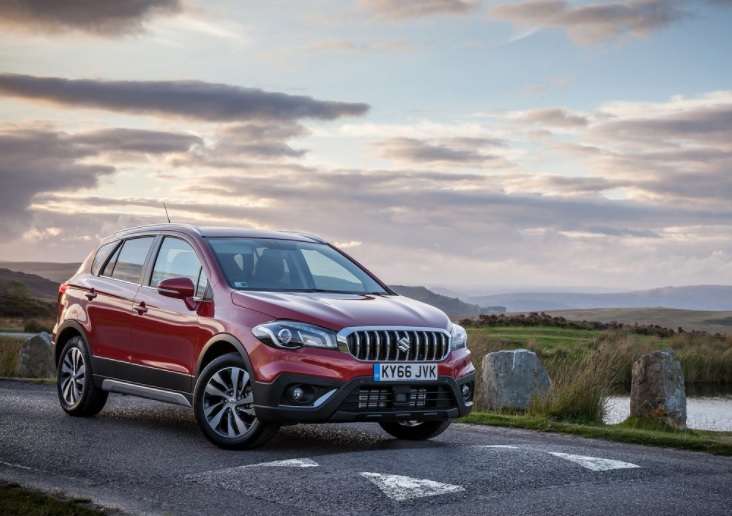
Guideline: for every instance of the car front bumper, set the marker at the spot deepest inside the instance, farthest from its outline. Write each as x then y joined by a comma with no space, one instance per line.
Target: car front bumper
362,399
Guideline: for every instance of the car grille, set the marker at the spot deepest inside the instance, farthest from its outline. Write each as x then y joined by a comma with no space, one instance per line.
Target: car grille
399,397
382,345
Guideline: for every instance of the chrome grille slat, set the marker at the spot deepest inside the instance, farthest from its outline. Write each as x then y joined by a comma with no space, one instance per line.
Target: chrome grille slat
381,344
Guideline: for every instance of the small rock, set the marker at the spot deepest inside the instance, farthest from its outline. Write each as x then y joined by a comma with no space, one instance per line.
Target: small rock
512,378
36,360
657,389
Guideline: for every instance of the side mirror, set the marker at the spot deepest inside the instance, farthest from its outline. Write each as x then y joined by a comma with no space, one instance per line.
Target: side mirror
178,288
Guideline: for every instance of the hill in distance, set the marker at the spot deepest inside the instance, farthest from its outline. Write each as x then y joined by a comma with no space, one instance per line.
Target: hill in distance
58,272
700,297
40,288
452,306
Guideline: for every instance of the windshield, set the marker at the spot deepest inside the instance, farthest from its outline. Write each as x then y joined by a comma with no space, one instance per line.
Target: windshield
287,265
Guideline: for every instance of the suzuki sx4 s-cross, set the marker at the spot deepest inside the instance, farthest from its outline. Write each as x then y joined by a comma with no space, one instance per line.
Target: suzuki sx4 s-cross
255,329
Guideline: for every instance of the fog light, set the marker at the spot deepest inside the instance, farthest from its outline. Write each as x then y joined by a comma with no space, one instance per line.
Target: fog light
466,391
297,393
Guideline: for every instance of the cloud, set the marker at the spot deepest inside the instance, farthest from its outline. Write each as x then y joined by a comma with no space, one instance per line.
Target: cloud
594,22
187,99
135,140
411,223
237,142
37,160
99,18
555,117
484,225
455,151
713,123
404,9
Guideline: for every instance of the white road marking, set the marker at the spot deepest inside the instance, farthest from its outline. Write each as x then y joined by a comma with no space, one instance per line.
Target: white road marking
497,446
595,463
402,488
14,465
288,463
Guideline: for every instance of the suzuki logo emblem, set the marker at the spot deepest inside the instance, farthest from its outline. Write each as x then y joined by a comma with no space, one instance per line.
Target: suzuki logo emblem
403,344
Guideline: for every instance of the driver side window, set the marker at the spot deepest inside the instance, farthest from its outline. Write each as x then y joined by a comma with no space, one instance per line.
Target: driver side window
176,259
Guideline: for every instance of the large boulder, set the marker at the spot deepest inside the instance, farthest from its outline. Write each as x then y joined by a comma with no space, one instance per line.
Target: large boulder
36,359
657,389
512,378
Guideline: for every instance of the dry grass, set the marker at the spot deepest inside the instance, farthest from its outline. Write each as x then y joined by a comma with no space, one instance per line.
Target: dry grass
9,355
580,389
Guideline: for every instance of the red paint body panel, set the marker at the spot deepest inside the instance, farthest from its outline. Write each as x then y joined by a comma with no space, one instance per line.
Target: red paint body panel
338,311
165,335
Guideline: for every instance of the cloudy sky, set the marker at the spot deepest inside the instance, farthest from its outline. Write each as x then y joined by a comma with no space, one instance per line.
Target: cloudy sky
441,142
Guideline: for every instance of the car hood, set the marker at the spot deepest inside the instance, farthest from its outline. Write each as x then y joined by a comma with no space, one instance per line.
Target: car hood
337,311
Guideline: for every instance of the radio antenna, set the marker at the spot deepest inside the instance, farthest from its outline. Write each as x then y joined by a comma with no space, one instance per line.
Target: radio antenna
166,212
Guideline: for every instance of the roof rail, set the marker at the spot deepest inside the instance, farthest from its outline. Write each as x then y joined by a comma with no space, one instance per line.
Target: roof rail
171,225
307,235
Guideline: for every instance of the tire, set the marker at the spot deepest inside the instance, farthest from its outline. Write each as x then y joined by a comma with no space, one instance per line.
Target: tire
75,381
223,403
415,430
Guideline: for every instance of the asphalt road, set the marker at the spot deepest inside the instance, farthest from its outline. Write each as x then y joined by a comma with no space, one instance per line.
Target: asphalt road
148,457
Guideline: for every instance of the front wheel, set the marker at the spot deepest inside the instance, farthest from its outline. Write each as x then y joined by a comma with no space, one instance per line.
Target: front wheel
223,403
75,381
415,430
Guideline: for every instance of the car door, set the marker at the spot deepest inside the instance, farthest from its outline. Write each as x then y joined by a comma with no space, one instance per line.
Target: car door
164,329
110,295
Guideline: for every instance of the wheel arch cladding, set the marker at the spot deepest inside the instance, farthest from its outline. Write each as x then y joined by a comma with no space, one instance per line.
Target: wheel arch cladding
67,332
220,345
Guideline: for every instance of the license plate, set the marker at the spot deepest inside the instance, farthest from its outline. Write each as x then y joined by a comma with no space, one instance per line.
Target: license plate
405,372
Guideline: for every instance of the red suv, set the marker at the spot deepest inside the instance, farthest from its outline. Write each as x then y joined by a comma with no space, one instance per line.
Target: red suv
254,329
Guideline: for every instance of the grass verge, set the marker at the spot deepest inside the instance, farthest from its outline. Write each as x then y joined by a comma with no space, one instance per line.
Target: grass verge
630,431
17,500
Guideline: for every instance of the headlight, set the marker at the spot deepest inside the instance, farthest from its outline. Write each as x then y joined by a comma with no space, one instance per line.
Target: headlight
292,335
458,337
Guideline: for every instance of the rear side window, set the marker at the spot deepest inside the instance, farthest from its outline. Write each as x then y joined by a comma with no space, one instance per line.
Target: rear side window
128,266
101,257
176,259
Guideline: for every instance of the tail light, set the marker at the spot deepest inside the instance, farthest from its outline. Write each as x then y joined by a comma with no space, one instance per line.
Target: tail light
61,293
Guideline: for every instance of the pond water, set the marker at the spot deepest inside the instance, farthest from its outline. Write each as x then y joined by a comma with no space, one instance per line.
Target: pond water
708,407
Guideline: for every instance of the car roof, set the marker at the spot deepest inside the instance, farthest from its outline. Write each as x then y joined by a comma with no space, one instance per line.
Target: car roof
220,232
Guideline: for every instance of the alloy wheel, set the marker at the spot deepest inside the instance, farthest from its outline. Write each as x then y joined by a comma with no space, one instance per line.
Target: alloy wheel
228,402
73,375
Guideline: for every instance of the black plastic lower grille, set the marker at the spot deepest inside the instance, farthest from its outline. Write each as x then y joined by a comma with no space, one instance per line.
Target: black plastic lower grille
399,397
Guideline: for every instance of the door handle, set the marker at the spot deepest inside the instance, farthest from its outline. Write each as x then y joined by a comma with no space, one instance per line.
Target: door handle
91,294
141,308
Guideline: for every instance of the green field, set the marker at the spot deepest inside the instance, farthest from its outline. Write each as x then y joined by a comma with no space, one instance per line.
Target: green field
547,340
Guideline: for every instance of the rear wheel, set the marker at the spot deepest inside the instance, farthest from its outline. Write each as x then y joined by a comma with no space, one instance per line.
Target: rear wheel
75,381
223,404
415,430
